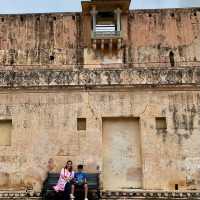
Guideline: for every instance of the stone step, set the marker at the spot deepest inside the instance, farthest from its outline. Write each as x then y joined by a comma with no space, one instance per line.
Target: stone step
19,194
127,195
111,195
9,194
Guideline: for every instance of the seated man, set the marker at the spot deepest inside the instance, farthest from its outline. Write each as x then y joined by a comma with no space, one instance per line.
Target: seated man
80,181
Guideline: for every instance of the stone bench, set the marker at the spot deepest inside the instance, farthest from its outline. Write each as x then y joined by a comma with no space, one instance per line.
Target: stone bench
52,179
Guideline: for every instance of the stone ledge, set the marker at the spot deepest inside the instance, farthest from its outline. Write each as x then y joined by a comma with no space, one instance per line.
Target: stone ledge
105,195
127,77
21,195
24,194
108,195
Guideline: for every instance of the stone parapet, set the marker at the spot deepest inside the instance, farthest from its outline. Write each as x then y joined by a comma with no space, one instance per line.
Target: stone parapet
19,195
13,195
150,195
108,195
89,78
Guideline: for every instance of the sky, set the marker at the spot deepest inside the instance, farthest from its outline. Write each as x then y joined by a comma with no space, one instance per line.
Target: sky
38,6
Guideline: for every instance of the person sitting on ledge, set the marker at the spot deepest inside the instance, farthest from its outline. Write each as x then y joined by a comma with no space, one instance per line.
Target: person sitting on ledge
65,180
80,181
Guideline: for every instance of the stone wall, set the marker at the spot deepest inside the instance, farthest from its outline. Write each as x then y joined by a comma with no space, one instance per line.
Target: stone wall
110,195
35,39
185,77
153,34
43,92
56,39
45,135
149,195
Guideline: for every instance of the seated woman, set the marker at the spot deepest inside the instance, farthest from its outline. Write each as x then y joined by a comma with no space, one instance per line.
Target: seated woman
65,180
80,181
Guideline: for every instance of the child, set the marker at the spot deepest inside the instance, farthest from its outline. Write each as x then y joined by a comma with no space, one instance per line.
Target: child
80,181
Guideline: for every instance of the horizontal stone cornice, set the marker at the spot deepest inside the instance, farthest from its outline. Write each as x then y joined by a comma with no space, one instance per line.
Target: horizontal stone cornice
127,77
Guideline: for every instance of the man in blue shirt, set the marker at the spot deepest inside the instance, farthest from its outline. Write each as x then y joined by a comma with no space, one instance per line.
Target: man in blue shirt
80,181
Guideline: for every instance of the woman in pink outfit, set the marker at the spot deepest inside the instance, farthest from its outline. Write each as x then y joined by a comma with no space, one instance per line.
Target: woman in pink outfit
65,180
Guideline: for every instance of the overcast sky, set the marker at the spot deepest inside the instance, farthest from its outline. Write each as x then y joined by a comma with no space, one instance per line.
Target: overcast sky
27,6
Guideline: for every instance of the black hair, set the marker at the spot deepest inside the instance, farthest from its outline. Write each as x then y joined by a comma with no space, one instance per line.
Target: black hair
80,166
69,161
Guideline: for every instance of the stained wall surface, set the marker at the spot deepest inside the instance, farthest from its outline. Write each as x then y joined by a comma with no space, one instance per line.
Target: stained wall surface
45,135
34,39
121,153
57,38
155,33
44,105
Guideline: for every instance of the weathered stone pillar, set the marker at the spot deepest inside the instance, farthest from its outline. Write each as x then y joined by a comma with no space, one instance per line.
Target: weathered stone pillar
94,44
110,46
102,44
102,48
118,15
126,54
94,14
119,45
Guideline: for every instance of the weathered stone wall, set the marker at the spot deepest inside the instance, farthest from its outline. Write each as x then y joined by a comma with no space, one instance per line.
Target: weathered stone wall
56,39
35,39
45,135
44,104
185,77
108,195
154,33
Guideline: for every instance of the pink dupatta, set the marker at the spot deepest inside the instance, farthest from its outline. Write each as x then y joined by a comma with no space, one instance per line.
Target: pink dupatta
65,175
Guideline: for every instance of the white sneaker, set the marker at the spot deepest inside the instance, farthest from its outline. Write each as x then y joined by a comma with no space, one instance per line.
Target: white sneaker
72,196
86,199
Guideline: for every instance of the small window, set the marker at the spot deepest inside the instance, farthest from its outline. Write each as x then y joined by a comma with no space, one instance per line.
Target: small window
51,57
171,58
105,22
172,15
81,124
5,132
21,19
161,123
73,17
176,186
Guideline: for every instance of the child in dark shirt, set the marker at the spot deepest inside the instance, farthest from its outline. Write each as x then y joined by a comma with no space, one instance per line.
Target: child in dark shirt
80,181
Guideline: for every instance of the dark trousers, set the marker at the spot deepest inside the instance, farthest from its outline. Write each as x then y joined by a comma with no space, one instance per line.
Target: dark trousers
65,195
67,191
53,195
